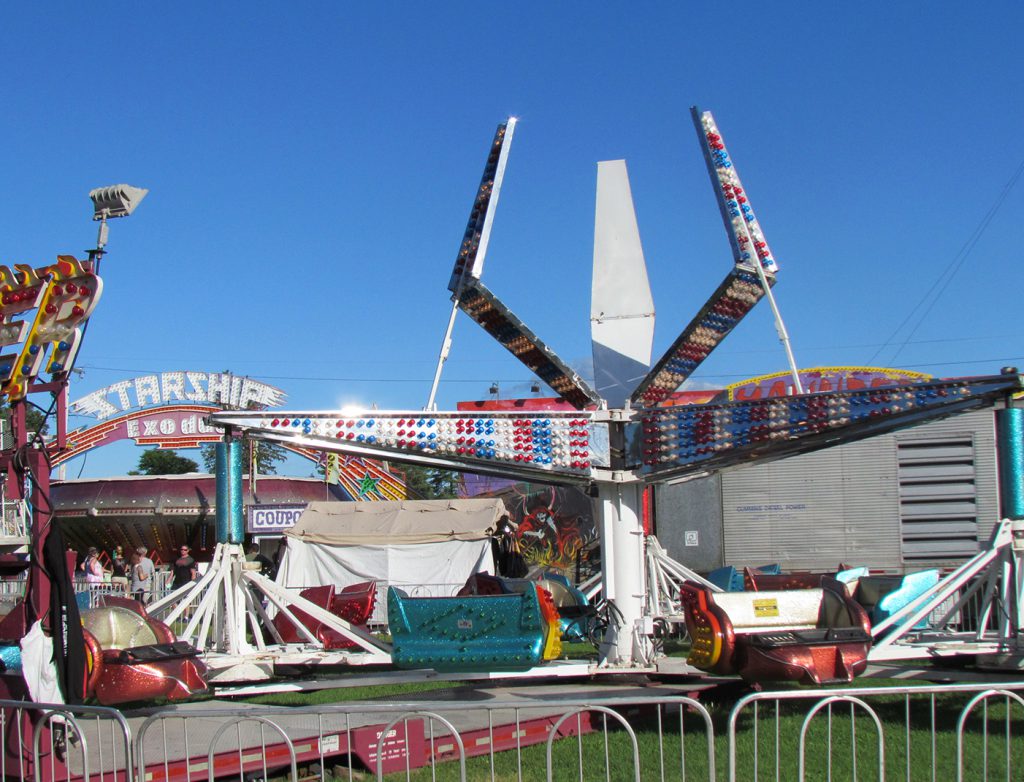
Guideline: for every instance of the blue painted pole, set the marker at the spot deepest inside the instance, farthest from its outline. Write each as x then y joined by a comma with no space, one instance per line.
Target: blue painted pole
230,525
1010,440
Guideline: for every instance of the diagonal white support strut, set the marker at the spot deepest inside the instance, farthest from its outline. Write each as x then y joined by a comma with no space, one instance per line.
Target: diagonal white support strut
226,602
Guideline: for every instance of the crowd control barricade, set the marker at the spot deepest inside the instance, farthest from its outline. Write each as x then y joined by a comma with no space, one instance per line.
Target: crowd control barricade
543,736
52,742
535,732
931,732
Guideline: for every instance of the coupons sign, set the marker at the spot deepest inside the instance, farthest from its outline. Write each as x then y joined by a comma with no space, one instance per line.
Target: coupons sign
264,519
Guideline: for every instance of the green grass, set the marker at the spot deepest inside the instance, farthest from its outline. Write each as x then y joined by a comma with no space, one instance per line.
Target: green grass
907,755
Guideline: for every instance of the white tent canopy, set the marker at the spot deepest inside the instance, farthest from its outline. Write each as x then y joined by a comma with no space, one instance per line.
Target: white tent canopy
408,543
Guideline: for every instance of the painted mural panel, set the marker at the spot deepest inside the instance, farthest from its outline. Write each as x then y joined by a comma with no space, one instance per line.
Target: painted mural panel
556,528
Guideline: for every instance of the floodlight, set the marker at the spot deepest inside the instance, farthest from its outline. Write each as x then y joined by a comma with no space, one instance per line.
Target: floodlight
116,200
113,201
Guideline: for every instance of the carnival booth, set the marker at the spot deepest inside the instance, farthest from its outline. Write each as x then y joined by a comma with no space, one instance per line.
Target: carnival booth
423,546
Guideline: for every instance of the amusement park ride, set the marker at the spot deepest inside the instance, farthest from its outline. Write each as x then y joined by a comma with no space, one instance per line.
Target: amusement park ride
625,434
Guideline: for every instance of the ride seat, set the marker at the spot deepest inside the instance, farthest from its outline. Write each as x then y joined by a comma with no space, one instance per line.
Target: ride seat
116,628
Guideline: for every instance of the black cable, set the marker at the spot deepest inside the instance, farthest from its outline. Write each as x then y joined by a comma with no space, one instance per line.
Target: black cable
81,469
39,504
37,435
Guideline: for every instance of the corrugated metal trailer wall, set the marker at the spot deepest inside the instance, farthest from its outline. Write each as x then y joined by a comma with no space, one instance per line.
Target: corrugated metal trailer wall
918,498
921,497
816,510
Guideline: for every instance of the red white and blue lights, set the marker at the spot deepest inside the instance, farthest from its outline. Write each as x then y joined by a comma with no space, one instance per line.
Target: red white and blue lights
498,321
738,293
550,442
735,297
693,434
746,235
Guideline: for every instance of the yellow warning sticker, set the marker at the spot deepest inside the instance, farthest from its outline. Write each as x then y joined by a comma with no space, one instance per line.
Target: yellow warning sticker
768,606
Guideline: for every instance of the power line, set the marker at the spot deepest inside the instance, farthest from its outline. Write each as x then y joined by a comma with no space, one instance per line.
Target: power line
520,381
319,378
721,352
946,276
999,360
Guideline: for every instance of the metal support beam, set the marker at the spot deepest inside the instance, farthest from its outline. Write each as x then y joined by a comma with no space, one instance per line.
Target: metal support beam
622,568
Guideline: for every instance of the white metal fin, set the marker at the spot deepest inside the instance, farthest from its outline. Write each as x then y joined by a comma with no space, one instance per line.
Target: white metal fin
621,306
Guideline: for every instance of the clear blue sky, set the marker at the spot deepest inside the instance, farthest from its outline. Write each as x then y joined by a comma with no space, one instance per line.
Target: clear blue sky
312,165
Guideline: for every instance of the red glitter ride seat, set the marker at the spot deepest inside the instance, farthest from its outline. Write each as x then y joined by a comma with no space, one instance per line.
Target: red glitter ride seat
137,657
354,604
815,636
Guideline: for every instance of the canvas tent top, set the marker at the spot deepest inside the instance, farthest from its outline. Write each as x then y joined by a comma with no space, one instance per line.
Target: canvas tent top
396,523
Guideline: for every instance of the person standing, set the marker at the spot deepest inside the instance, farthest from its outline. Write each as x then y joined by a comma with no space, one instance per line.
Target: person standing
184,569
118,565
266,565
119,570
143,571
92,566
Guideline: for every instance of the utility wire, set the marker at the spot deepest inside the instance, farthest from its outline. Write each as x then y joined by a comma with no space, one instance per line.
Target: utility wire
946,276
487,379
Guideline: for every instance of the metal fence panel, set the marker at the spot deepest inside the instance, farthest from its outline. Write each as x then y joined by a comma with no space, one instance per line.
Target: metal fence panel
932,732
894,732
56,741
496,739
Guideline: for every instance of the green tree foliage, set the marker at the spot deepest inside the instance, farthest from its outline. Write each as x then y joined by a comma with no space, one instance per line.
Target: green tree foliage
35,421
160,462
430,483
268,456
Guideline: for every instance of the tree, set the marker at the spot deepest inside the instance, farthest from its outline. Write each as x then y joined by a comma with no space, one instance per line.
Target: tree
268,455
430,483
36,420
160,462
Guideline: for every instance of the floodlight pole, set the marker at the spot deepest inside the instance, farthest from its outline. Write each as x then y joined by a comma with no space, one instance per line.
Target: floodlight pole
29,458
108,202
101,235
37,465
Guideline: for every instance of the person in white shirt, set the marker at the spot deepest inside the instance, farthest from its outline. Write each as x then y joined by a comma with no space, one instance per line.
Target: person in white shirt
143,570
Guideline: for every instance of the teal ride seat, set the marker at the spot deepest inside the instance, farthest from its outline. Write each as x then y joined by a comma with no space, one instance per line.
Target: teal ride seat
852,575
905,591
467,633
729,579
726,578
